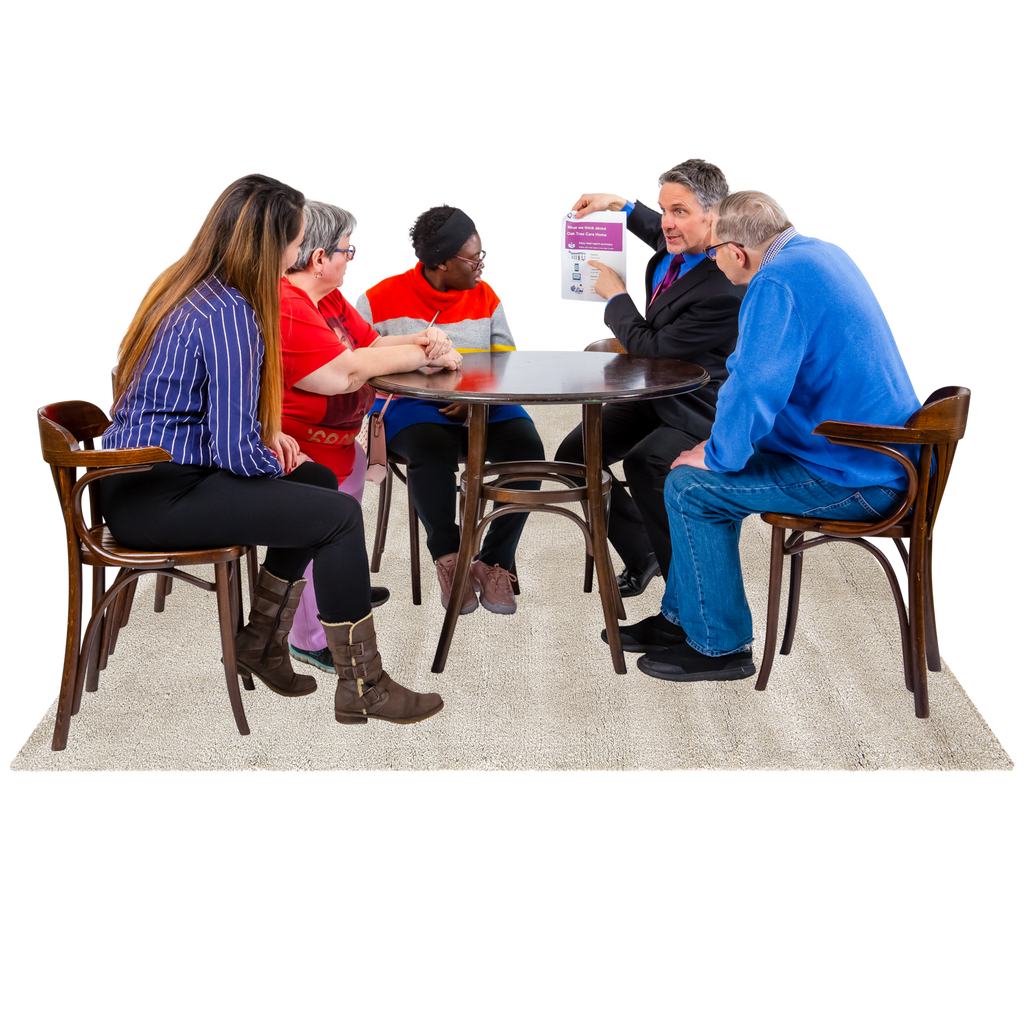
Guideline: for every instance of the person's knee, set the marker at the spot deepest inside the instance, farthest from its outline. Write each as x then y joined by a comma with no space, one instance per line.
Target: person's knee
571,448
430,445
685,490
316,474
640,468
532,445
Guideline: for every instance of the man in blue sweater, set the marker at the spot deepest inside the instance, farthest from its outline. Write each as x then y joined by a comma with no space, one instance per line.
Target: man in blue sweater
813,345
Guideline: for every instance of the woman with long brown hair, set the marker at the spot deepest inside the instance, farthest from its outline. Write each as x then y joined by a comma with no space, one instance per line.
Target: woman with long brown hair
199,374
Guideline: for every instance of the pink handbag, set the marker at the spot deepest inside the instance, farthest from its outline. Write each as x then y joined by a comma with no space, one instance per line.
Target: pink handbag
377,447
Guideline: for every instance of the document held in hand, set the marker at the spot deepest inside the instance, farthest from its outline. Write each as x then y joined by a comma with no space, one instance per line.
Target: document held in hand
600,236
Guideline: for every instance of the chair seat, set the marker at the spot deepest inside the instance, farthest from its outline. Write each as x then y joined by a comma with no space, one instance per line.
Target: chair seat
118,552
835,527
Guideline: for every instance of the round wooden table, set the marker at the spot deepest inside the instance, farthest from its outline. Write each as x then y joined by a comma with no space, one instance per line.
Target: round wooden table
542,378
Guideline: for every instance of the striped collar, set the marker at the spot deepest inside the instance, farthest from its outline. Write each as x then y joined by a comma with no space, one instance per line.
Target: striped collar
773,250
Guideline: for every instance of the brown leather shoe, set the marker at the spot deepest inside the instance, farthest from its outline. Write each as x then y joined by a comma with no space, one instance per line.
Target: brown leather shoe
261,649
495,587
365,690
445,566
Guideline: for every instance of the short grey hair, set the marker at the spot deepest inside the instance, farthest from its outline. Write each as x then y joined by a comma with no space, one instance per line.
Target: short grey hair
750,218
326,225
704,180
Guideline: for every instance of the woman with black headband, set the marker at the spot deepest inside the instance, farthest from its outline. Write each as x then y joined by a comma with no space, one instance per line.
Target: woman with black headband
446,282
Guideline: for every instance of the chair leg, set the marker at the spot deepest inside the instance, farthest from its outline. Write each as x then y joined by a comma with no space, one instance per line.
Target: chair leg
414,551
226,617
931,636
129,598
515,578
796,570
65,702
918,627
124,608
99,661
163,588
383,512
771,628
588,562
237,616
253,568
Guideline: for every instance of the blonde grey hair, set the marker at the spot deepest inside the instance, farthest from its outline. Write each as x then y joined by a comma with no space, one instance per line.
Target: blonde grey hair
326,225
750,218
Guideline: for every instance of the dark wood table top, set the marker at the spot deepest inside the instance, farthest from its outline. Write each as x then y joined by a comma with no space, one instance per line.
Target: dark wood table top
536,378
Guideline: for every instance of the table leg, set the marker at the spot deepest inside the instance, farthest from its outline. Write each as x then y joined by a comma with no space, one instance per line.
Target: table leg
599,531
474,481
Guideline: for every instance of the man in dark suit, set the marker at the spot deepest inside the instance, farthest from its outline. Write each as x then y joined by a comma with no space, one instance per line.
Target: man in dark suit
692,313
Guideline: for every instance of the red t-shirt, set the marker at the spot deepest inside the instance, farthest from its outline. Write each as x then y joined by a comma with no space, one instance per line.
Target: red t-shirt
311,336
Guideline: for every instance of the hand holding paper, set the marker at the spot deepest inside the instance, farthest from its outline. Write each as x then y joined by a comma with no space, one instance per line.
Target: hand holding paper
597,202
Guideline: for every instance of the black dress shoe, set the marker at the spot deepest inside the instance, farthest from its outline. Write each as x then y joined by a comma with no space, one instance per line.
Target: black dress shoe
654,633
683,664
633,582
378,595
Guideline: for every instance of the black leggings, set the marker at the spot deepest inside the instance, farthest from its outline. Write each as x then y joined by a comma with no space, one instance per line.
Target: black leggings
433,451
299,518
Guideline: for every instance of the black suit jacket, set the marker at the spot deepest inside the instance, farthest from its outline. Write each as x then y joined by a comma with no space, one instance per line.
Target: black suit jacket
696,319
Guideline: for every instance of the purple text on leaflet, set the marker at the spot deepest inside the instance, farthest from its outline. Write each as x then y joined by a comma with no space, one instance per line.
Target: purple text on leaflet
593,236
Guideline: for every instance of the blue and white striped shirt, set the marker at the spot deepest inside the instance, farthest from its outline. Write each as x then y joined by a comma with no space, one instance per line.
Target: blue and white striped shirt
197,393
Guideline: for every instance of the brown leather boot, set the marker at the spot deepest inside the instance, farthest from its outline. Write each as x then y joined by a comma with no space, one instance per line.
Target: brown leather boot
365,690
261,649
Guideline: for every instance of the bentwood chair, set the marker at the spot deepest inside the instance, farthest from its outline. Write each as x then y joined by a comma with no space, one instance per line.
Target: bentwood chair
937,427
66,432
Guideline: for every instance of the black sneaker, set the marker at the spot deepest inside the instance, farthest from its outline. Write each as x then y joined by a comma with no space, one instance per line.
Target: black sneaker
683,664
654,633
318,659
378,595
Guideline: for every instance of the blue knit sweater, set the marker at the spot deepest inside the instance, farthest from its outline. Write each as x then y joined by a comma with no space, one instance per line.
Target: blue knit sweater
813,345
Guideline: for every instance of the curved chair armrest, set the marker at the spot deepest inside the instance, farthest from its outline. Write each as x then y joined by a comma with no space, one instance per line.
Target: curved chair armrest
881,449
114,457
839,432
92,476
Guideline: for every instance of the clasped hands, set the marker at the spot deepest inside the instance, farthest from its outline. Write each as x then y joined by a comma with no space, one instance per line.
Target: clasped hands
608,283
286,450
438,349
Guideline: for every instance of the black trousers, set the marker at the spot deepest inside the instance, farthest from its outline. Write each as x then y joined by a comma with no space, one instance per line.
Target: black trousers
433,451
299,518
634,433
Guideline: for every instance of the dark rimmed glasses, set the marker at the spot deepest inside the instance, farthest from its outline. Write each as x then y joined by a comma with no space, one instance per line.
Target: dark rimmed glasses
350,252
711,251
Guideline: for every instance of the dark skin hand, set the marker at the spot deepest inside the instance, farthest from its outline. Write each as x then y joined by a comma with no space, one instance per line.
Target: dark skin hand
457,411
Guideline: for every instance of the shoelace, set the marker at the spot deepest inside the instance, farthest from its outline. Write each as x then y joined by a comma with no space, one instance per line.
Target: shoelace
499,577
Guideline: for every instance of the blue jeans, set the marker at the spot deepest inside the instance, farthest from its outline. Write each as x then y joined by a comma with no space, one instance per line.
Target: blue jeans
704,591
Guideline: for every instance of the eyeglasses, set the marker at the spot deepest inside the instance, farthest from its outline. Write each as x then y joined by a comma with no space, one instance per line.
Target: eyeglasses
475,264
711,251
350,252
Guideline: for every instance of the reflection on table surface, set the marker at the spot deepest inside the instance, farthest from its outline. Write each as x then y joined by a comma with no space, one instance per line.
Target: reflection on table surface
514,377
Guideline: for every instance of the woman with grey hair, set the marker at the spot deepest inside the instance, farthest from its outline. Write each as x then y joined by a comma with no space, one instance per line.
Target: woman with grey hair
329,352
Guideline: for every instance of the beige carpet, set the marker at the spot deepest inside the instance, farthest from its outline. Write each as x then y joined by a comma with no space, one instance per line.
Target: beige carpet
536,690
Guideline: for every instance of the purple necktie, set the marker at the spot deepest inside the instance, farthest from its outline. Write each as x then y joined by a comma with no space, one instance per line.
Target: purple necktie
670,277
